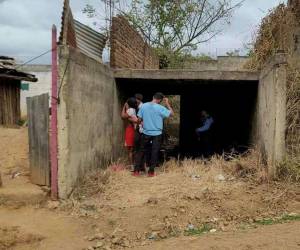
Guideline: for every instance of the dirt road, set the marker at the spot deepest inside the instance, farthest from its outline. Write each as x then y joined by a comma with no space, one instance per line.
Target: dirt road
14,168
43,229
13,149
114,210
275,237
29,228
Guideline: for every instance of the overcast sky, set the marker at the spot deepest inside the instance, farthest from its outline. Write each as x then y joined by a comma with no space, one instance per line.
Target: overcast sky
25,26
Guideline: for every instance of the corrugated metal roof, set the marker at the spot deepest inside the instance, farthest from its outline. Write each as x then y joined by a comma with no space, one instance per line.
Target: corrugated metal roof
80,36
62,24
89,41
67,33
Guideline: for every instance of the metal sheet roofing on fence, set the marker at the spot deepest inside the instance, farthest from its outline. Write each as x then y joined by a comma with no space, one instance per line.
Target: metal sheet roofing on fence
89,41
80,36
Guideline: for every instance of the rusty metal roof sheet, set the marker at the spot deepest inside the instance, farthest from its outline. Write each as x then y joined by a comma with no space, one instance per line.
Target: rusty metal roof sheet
63,21
8,69
80,36
89,41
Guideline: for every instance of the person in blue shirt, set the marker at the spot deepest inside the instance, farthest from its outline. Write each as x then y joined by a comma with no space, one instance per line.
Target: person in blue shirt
152,115
204,134
207,121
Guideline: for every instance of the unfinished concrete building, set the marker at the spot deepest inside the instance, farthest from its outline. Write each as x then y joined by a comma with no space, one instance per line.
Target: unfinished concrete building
249,107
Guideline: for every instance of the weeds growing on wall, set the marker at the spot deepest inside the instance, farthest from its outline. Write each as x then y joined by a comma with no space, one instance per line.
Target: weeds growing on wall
275,34
91,184
290,168
267,40
293,111
178,60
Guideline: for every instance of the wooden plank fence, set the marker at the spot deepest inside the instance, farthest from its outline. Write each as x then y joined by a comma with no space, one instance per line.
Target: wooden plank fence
38,131
10,113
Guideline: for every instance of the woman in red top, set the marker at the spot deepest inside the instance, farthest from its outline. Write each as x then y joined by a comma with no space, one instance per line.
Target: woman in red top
129,111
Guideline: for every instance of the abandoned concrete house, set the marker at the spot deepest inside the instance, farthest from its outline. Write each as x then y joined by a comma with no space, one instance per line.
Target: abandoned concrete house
249,105
10,87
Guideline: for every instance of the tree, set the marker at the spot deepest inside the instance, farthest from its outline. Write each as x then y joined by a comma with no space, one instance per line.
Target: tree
174,27
180,25
105,12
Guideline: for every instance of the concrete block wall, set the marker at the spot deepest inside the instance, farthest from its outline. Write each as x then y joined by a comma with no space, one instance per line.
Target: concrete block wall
89,125
271,112
128,49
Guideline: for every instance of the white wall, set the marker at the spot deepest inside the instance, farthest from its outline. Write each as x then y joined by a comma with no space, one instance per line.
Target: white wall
43,85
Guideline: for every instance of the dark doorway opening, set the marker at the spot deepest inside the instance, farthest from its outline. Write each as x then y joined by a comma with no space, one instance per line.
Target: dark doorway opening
232,105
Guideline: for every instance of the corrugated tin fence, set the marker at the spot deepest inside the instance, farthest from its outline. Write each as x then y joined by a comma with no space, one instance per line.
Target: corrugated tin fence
38,131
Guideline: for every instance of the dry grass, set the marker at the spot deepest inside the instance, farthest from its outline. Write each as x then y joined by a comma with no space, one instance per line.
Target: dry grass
271,36
184,192
247,166
293,111
175,180
290,168
276,33
93,183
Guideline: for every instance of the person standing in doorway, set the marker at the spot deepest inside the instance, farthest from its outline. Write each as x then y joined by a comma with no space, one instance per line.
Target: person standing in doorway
152,115
139,128
138,133
204,134
129,113
139,99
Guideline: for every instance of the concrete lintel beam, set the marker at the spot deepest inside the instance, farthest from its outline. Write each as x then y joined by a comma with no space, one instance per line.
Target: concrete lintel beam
186,75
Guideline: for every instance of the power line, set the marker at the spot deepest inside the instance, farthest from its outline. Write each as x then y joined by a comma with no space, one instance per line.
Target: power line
33,59
30,60
62,80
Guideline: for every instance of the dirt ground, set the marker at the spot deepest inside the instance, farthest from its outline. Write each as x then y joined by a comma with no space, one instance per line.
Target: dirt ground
17,189
188,205
14,150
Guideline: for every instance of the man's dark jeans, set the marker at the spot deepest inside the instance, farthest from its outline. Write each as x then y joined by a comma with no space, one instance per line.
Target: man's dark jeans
205,144
137,150
150,145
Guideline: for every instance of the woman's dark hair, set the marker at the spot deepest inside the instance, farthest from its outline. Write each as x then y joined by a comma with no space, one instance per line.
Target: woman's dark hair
132,103
139,96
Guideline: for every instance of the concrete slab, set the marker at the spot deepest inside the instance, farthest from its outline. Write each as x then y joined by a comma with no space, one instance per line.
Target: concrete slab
214,75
